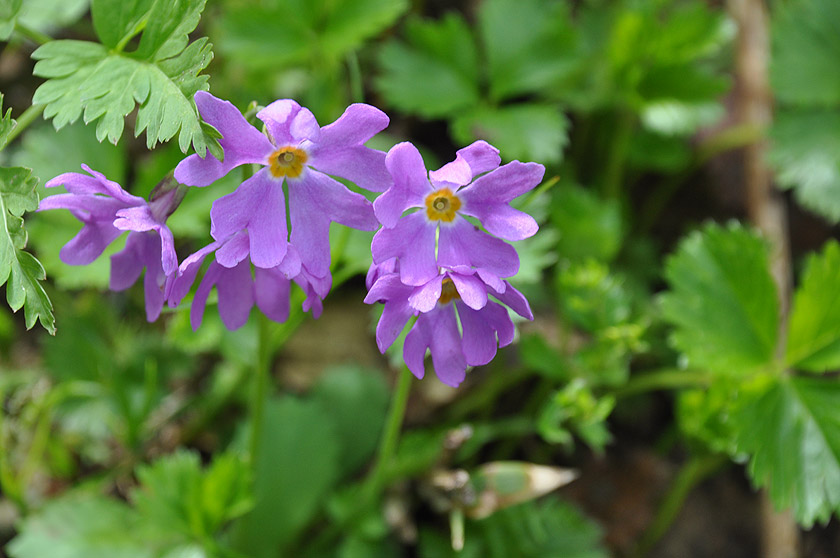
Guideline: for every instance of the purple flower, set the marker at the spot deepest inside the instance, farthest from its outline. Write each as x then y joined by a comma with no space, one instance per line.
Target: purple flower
106,211
303,154
239,290
439,305
444,197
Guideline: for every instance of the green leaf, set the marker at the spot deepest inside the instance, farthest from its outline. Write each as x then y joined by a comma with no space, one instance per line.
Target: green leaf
161,76
722,301
806,48
296,468
792,432
279,33
589,227
116,20
525,131
436,73
21,272
9,10
49,15
7,124
356,399
814,330
805,152
81,525
527,44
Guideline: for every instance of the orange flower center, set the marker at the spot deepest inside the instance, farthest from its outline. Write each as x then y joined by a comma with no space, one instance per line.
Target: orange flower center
448,292
441,205
287,161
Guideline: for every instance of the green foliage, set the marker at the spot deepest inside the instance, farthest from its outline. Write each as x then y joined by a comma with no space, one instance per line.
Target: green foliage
161,75
543,529
813,341
19,270
723,301
575,409
9,10
588,227
790,428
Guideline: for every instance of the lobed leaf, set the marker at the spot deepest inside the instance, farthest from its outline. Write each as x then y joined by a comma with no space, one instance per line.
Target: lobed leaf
161,76
813,341
9,11
792,432
722,301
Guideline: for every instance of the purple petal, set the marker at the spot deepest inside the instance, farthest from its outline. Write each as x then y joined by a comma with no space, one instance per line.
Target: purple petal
502,220
187,272
479,337
411,185
89,243
362,165
288,123
236,295
395,314
417,341
515,300
470,161
291,265
140,219
375,271
471,289
257,206
463,244
504,183
81,184
447,355
242,143
271,292
233,250
86,207
425,297
315,200
154,282
412,240
388,287
127,264
202,292
359,123
316,289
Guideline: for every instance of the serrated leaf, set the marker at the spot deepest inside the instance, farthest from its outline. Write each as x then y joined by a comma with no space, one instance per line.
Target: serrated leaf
805,152
792,432
722,301
9,10
80,525
526,131
7,124
814,329
295,469
19,270
528,44
435,73
161,76
806,48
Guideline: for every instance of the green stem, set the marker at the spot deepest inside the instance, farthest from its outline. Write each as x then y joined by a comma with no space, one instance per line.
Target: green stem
357,90
617,155
668,378
32,34
390,437
24,120
261,384
691,474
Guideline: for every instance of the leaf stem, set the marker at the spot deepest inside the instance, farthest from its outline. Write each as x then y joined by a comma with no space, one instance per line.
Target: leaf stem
664,379
617,155
690,475
390,437
24,120
260,389
32,34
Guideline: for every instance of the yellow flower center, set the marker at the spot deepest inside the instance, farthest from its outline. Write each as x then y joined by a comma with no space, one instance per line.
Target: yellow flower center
441,205
287,161
448,292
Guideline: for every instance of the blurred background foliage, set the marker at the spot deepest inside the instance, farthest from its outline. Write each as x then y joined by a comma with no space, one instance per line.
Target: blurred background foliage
122,438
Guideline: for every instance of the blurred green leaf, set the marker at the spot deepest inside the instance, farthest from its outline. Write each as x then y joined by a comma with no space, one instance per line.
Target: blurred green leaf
48,15
678,118
296,468
658,152
707,414
806,46
9,10
525,131
722,301
435,73
575,409
791,429
7,124
356,399
813,341
590,297
588,226
161,76
805,152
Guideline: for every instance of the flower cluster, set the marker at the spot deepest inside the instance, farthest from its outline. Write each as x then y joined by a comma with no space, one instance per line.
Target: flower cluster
433,263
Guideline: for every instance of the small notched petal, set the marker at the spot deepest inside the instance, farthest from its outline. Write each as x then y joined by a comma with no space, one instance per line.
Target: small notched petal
471,161
504,184
241,142
471,289
89,243
355,126
417,341
447,355
411,184
288,123
502,220
127,264
236,295
480,330
271,293
425,297
395,314
187,272
515,300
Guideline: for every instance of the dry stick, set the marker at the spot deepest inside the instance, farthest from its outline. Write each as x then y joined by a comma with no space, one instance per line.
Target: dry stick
766,210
